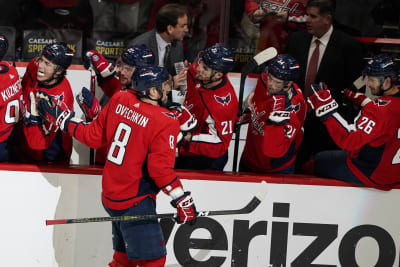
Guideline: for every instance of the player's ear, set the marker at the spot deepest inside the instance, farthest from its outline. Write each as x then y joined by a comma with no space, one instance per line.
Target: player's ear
153,93
218,75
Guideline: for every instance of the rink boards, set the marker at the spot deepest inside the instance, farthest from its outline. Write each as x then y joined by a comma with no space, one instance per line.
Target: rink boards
302,221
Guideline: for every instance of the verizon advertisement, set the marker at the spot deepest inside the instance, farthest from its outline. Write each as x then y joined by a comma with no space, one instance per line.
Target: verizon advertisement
295,224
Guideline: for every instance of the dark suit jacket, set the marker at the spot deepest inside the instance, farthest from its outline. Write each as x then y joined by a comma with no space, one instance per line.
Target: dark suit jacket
341,64
176,52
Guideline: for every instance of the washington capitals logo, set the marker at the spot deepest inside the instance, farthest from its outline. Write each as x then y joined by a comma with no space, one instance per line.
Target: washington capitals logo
168,114
223,100
295,108
59,99
381,103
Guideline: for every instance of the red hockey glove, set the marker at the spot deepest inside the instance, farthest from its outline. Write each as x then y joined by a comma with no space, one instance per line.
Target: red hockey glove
357,98
186,210
186,120
53,113
101,64
88,103
322,102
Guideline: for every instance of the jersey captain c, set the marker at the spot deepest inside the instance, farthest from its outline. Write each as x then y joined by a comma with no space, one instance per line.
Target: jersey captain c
373,141
215,110
137,135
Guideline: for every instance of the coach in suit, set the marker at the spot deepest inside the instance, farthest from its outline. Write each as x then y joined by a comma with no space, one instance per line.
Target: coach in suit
166,39
328,55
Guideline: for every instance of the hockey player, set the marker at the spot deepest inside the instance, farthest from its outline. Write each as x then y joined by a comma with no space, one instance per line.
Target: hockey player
371,154
10,108
141,140
42,141
212,100
111,80
277,115
135,56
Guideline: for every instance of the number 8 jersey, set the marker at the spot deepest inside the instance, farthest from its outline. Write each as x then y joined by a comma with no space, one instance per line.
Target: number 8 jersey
373,141
141,146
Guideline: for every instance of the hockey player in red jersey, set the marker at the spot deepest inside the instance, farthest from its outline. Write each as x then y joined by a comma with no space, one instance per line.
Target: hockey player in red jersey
10,107
135,56
41,141
371,154
141,140
212,100
277,20
277,115
111,80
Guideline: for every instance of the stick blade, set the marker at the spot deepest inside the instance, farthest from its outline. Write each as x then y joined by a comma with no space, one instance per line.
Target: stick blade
265,55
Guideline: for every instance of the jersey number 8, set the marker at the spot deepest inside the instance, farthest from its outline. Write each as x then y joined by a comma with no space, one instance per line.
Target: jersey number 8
117,150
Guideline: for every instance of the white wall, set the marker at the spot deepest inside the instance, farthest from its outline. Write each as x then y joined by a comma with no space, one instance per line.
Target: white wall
29,198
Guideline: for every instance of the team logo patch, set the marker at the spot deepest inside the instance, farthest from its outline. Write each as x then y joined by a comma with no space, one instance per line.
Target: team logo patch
381,103
295,108
223,100
170,115
95,58
59,99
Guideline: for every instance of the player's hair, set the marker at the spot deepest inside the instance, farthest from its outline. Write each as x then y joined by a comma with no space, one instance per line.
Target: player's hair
169,15
325,7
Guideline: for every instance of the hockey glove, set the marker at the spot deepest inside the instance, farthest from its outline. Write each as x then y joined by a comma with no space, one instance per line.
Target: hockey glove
186,210
88,103
32,118
53,113
358,99
101,64
186,120
279,104
322,102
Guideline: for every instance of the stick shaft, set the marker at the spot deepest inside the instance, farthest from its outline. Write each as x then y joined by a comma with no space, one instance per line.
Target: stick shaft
252,205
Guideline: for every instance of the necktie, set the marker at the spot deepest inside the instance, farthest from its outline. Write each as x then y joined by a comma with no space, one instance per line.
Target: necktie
312,69
166,55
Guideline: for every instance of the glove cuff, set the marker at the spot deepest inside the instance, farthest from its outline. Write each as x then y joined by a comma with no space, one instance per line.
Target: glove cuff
279,117
174,202
64,118
108,71
324,111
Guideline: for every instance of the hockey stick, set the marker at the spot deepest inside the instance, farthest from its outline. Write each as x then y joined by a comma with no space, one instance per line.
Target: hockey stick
252,205
250,66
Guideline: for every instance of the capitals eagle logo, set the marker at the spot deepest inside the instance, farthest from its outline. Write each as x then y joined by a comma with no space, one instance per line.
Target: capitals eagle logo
223,100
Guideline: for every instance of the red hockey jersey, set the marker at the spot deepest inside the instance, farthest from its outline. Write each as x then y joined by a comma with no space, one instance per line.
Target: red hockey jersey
141,142
373,141
272,32
10,94
36,138
215,110
272,147
111,85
